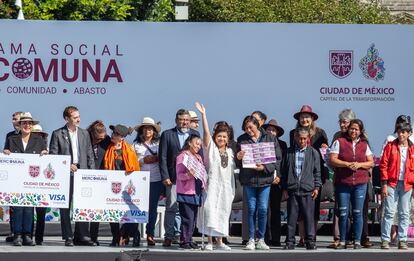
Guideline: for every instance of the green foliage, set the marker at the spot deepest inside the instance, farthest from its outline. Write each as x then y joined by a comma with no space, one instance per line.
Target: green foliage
95,10
292,11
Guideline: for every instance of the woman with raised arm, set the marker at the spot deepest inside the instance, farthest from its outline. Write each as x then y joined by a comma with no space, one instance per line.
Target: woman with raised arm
220,165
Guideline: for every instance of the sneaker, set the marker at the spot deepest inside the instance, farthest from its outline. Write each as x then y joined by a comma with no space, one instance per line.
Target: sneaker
357,245
185,246
250,245
289,246
385,244
402,245
209,247
261,245
223,247
311,246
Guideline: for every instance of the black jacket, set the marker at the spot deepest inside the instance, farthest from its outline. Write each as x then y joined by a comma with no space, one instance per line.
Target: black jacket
35,144
310,178
168,151
100,152
254,178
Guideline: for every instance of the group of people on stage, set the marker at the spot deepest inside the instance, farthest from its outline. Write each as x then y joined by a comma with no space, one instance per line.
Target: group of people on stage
299,173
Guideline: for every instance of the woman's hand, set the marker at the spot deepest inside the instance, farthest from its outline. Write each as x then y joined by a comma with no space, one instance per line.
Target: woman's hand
200,108
240,154
149,159
259,167
191,172
7,152
314,194
43,152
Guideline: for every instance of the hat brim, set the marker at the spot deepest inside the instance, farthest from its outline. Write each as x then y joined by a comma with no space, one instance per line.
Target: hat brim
314,115
31,120
280,130
155,126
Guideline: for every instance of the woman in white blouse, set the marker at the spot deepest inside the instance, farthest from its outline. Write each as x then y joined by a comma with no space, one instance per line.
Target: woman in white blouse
146,146
220,165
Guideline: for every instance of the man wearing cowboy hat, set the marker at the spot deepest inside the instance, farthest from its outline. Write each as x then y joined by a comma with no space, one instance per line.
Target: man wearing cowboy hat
194,120
74,141
273,232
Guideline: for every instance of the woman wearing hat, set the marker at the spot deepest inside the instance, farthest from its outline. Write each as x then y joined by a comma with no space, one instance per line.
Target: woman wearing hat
146,147
120,156
306,118
24,142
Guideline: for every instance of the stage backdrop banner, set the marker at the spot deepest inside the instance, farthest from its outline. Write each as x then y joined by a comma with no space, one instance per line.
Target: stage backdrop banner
31,180
120,72
111,196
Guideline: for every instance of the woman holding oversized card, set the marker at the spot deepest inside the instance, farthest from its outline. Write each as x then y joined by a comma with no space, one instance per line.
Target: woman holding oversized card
257,162
221,186
24,142
120,156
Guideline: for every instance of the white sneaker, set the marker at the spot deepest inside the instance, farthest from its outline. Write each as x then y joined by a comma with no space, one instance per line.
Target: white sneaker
223,247
261,245
250,245
209,247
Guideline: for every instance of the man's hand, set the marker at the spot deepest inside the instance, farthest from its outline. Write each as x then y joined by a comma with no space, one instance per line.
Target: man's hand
7,152
167,182
240,154
73,168
384,191
276,180
315,193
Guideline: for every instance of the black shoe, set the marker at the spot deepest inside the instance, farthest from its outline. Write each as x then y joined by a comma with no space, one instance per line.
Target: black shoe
18,241
186,246
69,242
289,247
39,243
10,238
83,241
27,241
274,243
311,246
95,242
225,241
244,242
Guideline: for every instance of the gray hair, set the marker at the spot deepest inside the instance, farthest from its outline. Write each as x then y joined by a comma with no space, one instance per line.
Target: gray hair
346,114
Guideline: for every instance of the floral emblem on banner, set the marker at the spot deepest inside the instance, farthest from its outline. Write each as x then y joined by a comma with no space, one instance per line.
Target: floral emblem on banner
116,187
341,63
130,188
49,172
23,199
34,171
372,65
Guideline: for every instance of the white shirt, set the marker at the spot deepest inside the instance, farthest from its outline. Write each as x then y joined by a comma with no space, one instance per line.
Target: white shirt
24,144
403,159
335,148
392,137
153,168
73,135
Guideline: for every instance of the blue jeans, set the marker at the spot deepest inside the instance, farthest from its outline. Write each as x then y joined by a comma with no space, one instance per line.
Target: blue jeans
402,200
22,220
257,199
172,219
355,195
155,192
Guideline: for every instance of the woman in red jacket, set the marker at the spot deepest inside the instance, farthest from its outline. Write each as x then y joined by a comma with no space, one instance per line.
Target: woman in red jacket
397,176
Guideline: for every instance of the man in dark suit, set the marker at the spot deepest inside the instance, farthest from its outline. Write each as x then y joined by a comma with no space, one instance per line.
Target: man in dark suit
100,142
171,142
16,126
74,141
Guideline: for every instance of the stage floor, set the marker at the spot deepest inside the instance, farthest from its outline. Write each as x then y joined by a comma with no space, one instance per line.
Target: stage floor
54,249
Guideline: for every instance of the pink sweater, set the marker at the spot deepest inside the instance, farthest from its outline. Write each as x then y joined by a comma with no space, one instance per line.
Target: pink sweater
185,182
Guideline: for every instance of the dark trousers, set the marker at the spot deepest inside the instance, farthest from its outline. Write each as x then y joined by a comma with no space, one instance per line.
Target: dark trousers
40,224
305,206
81,228
273,223
127,230
188,213
94,229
